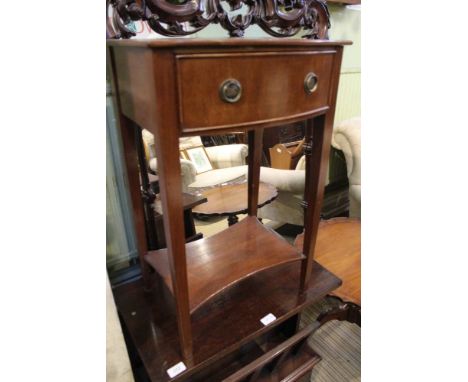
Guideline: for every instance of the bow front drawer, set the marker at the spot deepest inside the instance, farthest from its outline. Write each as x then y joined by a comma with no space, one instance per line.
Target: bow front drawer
223,90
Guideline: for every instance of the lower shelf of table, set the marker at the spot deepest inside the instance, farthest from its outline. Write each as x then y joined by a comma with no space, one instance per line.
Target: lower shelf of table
223,325
216,263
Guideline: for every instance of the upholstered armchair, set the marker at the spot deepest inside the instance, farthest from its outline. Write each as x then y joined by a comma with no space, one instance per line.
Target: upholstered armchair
228,162
347,138
290,183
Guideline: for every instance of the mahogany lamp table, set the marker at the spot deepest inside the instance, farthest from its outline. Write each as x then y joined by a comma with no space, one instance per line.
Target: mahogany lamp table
338,249
226,307
231,200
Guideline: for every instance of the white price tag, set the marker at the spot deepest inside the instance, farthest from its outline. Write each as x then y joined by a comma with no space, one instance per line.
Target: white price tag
176,369
268,319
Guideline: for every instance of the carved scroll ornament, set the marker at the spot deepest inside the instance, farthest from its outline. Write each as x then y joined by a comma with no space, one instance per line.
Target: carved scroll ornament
279,18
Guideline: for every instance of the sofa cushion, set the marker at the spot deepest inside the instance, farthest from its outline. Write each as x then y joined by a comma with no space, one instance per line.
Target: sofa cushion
219,176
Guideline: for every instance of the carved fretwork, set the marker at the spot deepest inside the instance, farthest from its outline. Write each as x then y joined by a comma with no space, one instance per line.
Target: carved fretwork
279,18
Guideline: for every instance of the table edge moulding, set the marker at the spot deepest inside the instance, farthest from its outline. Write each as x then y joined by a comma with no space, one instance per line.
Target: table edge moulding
202,302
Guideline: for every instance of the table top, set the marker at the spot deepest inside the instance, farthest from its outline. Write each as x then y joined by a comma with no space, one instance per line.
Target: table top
188,201
232,199
224,42
338,249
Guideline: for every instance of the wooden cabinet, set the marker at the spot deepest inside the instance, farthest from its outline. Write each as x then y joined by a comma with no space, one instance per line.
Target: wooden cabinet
202,303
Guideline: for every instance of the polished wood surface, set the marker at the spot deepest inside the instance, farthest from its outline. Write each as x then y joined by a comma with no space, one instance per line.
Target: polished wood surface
232,199
189,201
155,81
223,43
220,327
161,122
136,62
317,143
272,87
255,139
217,262
289,360
338,249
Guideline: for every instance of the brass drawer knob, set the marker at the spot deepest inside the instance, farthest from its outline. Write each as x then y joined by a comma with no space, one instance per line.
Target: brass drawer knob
230,91
310,83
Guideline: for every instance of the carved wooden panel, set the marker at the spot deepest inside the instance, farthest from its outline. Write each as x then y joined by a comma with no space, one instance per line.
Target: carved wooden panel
279,18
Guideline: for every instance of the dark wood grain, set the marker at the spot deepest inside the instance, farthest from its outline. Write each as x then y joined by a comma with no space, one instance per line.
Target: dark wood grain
170,185
317,149
221,326
210,295
170,18
281,351
232,199
272,87
215,263
338,248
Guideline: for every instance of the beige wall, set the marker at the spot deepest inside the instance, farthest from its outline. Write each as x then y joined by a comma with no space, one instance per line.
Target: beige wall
346,25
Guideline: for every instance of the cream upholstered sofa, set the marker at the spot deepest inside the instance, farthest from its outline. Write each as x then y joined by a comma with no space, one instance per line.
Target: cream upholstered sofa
347,138
290,183
228,162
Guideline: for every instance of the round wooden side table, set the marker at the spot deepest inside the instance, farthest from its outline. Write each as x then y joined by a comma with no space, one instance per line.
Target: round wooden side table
338,249
231,200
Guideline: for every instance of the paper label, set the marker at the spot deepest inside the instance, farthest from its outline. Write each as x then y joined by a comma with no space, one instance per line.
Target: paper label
268,319
176,369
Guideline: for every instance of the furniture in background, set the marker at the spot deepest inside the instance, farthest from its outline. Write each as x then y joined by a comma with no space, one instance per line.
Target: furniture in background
284,134
342,193
220,140
227,306
228,162
347,138
338,248
231,200
285,156
287,207
189,202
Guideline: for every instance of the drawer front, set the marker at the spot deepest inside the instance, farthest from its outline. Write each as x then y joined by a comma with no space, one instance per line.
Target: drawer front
272,87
